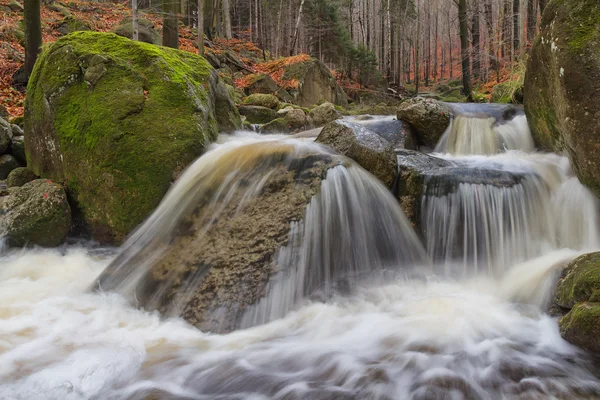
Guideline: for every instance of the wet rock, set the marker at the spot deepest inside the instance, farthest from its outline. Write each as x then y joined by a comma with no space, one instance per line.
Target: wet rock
19,177
257,114
324,114
278,125
428,117
397,132
262,100
226,113
17,149
295,118
7,164
6,135
368,149
581,326
35,214
563,75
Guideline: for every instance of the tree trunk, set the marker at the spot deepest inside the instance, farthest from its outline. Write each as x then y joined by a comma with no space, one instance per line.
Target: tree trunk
542,5
417,54
476,42
201,27
33,33
134,23
170,24
295,38
531,20
515,11
227,19
464,47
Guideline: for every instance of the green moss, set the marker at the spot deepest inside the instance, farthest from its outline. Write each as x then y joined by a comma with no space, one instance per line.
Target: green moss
581,326
263,100
278,125
585,26
581,281
126,117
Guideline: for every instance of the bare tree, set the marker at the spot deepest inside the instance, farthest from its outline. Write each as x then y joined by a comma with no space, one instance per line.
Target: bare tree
33,33
201,27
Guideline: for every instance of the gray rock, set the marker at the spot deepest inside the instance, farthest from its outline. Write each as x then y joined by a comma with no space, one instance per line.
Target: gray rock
257,114
324,114
35,214
368,149
6,135
20,176
428,117
397,132
7,164
17,149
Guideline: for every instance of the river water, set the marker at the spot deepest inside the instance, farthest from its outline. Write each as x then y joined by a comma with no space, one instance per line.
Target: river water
472,326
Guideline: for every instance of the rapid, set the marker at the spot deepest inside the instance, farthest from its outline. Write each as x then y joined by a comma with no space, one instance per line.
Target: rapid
361,307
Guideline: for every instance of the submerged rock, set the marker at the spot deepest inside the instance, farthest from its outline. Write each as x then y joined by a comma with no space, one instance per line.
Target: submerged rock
35,214
563,75
117,121
369,150
324,114
428,117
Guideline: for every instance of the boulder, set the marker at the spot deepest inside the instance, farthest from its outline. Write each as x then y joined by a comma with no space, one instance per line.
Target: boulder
315,83
249,231
257,114
507,92
278,125
16,130
20,176
37,213
261,83
428,117
368,149
15,6
324,114
146,31
17,149
226,113
117,121
6,135
397,132
263,100
7,164
563,74
295,118
72,24
581,326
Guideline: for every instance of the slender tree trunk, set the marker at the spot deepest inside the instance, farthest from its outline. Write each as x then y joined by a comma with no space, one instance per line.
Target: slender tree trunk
33,33
428,56
531,20
417,53
450,60
295,38
476,42
542,5
435,44
201,27
516,4
134,23
227,19
464,47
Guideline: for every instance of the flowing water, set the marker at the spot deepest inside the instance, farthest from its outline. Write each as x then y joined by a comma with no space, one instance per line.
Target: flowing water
470,325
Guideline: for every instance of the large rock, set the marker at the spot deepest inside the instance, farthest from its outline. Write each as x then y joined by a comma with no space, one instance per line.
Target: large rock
257,114
117,121
578,294
368,149
398,133
428,117
315,83
17,149
324,114
35,214
6,135
7,164
226,113
263,100
563,75
228,247
261,83
146,31
20,176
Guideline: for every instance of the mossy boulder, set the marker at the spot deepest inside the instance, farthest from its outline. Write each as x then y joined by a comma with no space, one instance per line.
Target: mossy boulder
428,117
227,115
263,100
324,114
562,78
20,176
315,83
17,149
261,83
117,120
146,30
6,135
37,213
581,326
507,93
7,164
278,125
295,118
368,149
72,24
257,114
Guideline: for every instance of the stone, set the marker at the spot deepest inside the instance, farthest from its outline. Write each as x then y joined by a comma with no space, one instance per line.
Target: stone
257,114
581,326
580,281
37,213
278,125
261,83
295,118
398,133
20,176
227,115
6,135
17,149
428,117
562,78
146,31
263,100
117,121
324,114
7,164
72,24
368,149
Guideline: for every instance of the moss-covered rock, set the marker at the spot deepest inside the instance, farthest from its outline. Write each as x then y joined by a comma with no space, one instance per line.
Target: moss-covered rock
17,149
507,93
315,83
7,164
580,281
146,30
581,326
72,24
37,213
295,118
261,83
20,176
227,115
562,78
324,114
263,100
257,114
428,117
368,149
278,125
6,135
116,121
